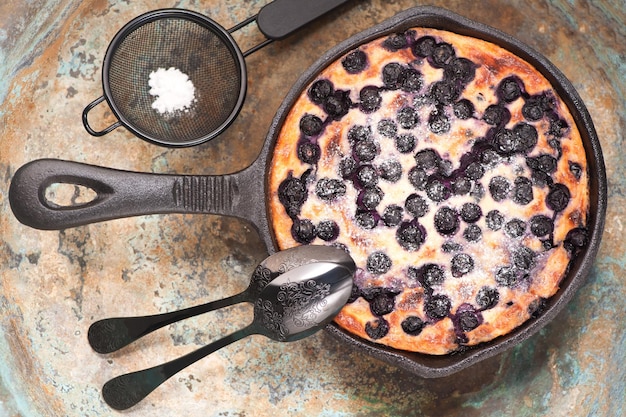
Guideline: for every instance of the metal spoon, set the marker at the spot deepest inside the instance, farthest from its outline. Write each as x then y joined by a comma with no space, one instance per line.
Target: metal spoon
110,334
294,305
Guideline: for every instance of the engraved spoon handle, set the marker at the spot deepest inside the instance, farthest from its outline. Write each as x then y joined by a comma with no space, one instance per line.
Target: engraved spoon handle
127,390
111,334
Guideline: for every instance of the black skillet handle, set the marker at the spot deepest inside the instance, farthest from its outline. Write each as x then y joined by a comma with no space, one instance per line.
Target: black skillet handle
123,194
280,18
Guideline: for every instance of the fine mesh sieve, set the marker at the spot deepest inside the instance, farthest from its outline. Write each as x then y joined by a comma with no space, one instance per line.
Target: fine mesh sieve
198,47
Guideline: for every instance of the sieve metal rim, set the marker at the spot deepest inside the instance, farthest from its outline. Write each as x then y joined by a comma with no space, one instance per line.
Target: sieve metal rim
169,13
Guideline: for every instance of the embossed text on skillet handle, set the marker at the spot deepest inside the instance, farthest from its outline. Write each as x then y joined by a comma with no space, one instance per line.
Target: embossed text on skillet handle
121,194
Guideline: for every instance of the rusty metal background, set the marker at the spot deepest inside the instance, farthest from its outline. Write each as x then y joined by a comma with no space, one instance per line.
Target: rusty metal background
54,284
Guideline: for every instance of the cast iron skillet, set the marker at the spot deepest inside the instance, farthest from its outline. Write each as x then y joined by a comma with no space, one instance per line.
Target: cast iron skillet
243,194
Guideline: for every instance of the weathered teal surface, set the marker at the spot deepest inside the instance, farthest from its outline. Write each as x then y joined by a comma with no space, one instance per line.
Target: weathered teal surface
55,284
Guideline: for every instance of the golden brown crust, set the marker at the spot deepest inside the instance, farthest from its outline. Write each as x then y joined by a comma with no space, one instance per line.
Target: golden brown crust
541,273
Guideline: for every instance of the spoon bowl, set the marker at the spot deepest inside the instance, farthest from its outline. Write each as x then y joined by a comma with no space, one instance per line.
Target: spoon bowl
111,334
294,305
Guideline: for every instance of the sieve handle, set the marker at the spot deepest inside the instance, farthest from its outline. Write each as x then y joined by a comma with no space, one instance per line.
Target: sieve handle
86,120
281,18
125,194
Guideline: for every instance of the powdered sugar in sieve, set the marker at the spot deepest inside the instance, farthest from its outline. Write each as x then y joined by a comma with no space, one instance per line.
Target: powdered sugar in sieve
173,89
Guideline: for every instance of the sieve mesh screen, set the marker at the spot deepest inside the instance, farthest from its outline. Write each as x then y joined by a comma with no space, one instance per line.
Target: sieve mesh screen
198,51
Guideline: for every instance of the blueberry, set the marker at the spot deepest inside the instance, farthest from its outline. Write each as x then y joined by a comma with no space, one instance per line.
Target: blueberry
359,133
410,235
438,306
449,247
526,137
387,128
575,169
446,221
395,42
430,275
366,220
533,108
329,189
407,117
370,99
292,194
499,188
303,231
489,158
487,298
390,170
327,230
467,320
557,127
515,228
541,179
412,325
558,197
463,109
522,191
524,258
471,212
475,171
365,151
320,90
495,220
383,303
556,145
347,167
438,121
424,46
437,191
427,159
496,115
366,176
377,328
460,70
309,152
444,92
575,239
371,197
418,178
423,101
441,55
337,104
507,276
416,205
354,62
461,264
510,89
392,216
461,186
392,75
311,125
543,163
410,80
405,143
541,225
505,142
472,233
378,263
537,307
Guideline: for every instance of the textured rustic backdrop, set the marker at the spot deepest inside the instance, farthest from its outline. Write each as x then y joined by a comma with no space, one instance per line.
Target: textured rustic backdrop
55,284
